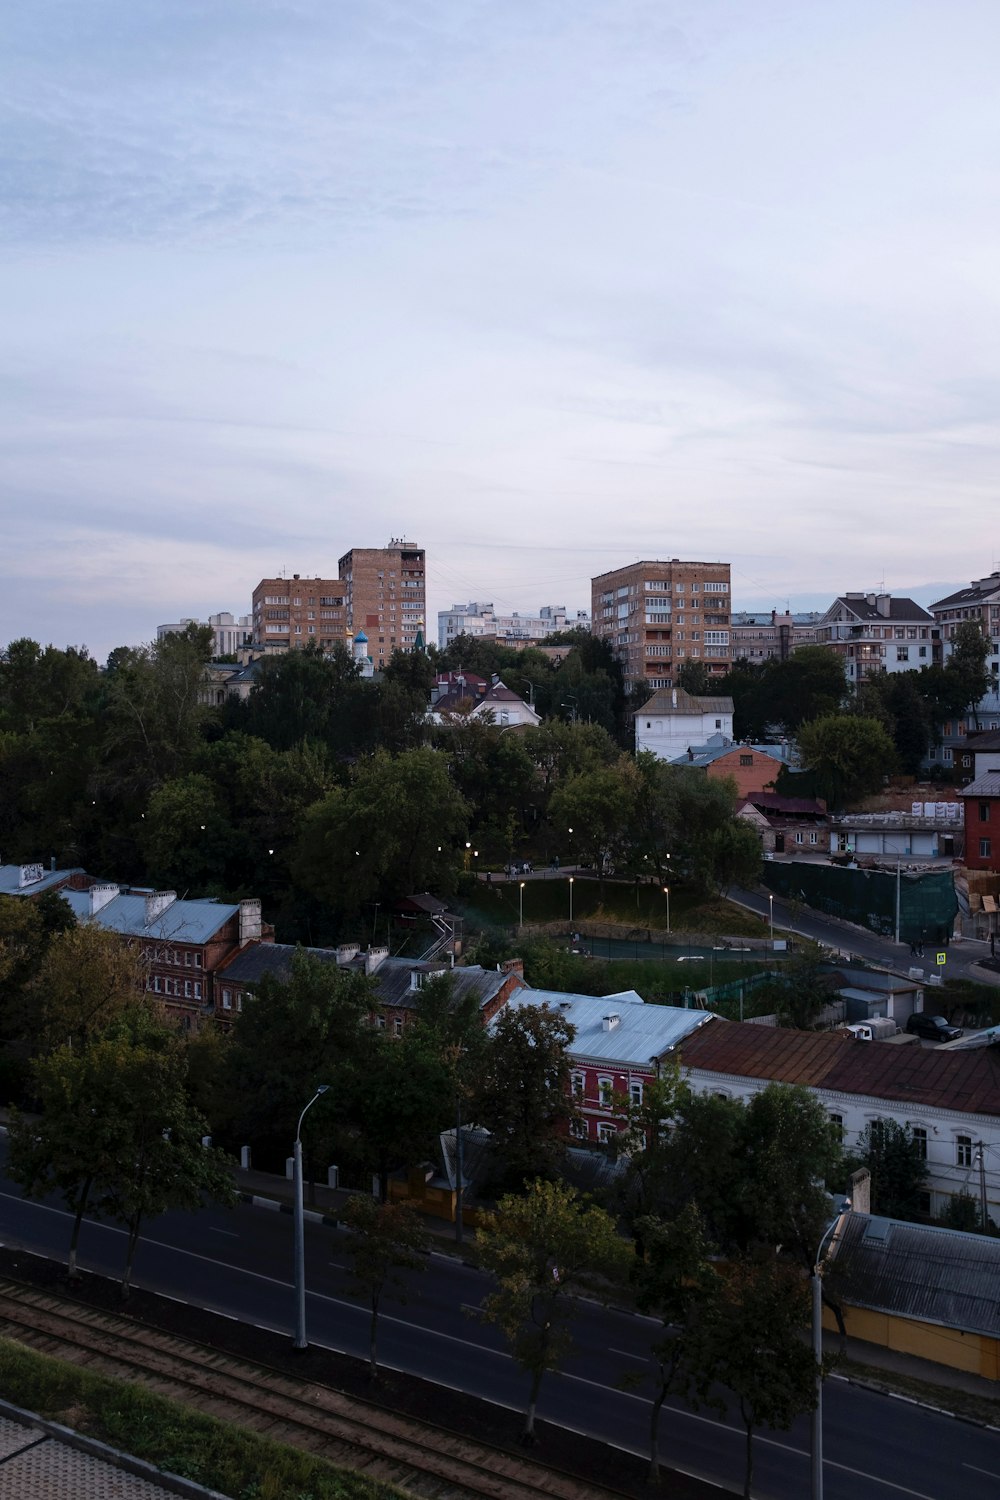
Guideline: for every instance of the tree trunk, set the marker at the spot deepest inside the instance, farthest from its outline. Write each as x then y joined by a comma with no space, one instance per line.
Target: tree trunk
654,1436
528,1435
748,1476
133,1240
372,1335
77,1224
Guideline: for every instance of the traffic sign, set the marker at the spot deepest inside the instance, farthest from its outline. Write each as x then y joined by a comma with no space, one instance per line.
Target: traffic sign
942,959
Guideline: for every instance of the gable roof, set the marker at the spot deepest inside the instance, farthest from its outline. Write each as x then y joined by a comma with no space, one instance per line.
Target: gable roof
983,786
978,590
677,701
180,922
920,1271
862,607
643,1032
962,1081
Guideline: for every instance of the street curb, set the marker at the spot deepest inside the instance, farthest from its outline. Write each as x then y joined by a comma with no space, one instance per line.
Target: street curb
138,1467
878,1389
310,1215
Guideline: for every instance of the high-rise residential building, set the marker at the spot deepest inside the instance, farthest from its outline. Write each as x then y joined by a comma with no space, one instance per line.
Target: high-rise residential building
874,633
229,634
657,615
290,612
385,595
513,629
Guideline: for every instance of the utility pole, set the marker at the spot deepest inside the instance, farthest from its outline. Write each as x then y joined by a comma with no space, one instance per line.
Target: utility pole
981,1154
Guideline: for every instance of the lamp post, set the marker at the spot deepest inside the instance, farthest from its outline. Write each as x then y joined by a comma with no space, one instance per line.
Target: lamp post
520,907
571,902
301,1341
666,892
817,1343
770,902
898,853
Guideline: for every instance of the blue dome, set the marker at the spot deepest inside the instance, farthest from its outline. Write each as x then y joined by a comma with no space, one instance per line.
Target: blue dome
361,637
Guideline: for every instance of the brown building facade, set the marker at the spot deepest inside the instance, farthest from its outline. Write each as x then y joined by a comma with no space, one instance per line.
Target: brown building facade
291,612
657,615
385,593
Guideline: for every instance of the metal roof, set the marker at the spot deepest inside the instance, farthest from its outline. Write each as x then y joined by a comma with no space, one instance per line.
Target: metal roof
392,978
180,922
968,1082
985,786
919,1271
643,1032
10,880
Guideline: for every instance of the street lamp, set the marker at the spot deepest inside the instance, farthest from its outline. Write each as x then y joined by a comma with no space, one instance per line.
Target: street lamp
817,1342
520,907
898,852
571,902
301,1341
666,892
770,902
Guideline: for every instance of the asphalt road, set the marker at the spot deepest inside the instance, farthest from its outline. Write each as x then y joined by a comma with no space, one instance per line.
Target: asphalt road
961,957
238,1262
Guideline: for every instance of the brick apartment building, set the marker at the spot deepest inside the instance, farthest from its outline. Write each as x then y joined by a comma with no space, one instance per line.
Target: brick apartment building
290,612
656,615
385,593
770,636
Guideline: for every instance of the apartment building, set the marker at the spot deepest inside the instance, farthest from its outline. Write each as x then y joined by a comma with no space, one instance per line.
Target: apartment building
877,633
515,629
980,604
291,612
656,615
229,633
770,636
385,594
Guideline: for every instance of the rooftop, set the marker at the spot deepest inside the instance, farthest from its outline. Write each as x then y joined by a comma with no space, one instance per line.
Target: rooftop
920,1271
968,1082
643,1032
392,978
180,922
30,880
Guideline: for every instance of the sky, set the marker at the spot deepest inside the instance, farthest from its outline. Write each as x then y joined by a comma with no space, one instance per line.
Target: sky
545,286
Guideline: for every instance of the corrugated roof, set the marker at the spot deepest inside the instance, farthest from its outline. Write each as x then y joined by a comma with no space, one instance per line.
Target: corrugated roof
963,1081
643,1031
662,702
392,978
10,880
181,922
920,1271
984,786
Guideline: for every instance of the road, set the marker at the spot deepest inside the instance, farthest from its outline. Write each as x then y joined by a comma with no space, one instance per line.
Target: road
238,1262
867,946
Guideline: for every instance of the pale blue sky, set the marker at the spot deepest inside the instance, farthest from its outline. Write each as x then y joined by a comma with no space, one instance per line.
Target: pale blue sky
545,285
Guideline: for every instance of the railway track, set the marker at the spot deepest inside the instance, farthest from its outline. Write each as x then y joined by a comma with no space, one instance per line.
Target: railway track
420,1459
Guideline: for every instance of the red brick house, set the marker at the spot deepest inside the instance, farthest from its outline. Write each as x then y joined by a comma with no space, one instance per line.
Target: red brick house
981,799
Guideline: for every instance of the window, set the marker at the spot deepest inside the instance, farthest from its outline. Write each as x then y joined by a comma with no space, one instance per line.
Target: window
837,1121
227,999
606,1132
578,1129
577,1084
984,812
605,1088
197,989
919,1134
963,1150
798,838
380,1023
187,989
197,960
902,653
746,760
984,848
635,1092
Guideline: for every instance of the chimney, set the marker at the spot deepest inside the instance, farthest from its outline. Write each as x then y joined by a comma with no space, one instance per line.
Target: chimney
859,1190
345,952
157,903
870,600
673,697
609,1022
249,922
374,957
512,966
884,605
100,895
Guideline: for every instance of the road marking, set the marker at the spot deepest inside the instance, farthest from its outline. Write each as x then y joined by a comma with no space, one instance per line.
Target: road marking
976,1469
627,1354
231,1232
902,1489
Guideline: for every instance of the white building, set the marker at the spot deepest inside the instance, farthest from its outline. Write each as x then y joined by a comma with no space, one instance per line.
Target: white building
482,620
228,632
877,633
674,721
979,604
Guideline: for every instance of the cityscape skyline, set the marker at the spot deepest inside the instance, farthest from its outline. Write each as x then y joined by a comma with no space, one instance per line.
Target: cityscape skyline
536,286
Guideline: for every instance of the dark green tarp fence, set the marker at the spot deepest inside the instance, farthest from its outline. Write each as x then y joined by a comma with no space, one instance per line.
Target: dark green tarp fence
927,902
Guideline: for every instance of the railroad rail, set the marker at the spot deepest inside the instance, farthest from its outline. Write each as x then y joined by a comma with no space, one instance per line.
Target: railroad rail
417,1457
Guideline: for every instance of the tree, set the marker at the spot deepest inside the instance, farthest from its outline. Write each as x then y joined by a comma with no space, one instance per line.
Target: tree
293,1034
598,805
801,990
970,651
118,1133
693,677
750,1342
86,978
675,1282
849,756
523,1095
545,1247
383,1241
733,855
898,1168
398,1100
643,1188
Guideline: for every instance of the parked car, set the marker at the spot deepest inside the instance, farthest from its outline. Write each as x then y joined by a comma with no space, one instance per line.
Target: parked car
935,1028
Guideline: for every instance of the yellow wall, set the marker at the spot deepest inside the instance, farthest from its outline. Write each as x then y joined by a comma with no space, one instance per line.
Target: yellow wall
976,1353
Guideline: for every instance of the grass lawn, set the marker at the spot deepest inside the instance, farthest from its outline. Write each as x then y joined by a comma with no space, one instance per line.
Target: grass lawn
548,900
216,1454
